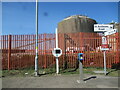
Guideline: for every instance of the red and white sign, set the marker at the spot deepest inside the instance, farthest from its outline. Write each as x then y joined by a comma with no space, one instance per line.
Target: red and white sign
105,46
104,40
104,49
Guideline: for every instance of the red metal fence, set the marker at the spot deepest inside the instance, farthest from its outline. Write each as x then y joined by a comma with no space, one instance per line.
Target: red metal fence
89,44
18,51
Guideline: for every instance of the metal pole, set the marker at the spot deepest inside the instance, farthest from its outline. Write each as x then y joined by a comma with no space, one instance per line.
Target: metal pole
104,53
57,62
9,51
104,62
36,57
57,65
81,70
56,38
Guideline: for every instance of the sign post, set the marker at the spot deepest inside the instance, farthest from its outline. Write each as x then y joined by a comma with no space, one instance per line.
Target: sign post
105,70
57,52
80,58
104,48
104,43
57,65
57,62
107,29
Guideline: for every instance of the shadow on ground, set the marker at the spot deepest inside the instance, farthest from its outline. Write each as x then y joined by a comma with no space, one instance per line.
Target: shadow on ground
92,77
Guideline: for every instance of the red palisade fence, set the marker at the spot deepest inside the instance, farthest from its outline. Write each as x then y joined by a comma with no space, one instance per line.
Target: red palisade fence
18,51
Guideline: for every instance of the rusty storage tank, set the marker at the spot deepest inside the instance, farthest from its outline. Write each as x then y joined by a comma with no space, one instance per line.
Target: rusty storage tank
76,23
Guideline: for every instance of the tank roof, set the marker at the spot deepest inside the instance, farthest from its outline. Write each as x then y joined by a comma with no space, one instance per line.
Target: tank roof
75,16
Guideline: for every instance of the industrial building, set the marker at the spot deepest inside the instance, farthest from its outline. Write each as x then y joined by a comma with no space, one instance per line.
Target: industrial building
76,23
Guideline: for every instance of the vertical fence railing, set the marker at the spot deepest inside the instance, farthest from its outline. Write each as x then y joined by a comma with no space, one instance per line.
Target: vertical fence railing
45,61
9,51
117,47
18,51
94,58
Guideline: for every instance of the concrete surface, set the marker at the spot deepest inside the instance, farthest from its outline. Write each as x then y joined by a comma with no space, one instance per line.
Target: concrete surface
60,81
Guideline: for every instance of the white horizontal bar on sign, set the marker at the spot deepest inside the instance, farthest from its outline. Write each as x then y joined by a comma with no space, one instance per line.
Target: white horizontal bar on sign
110,32
104,49
102,27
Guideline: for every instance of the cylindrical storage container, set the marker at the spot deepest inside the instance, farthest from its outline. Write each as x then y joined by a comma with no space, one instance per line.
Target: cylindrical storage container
75,24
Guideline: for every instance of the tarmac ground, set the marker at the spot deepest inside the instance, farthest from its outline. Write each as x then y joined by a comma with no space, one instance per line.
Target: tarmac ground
60,81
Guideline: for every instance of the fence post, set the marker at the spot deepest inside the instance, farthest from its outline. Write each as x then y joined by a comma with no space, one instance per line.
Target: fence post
45,61
65,57
117,47
9,51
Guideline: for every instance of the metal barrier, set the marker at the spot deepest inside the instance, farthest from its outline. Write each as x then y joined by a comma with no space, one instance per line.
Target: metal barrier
18,51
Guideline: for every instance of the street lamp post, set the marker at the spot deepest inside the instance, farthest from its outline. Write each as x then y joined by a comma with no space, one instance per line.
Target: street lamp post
36,57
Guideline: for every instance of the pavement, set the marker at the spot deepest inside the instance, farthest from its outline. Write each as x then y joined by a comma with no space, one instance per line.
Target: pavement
60,81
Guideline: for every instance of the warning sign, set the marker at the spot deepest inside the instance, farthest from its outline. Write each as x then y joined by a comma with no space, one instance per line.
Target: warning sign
105,45
104,40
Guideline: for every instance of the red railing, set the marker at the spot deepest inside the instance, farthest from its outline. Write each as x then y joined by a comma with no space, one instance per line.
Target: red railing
18,51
